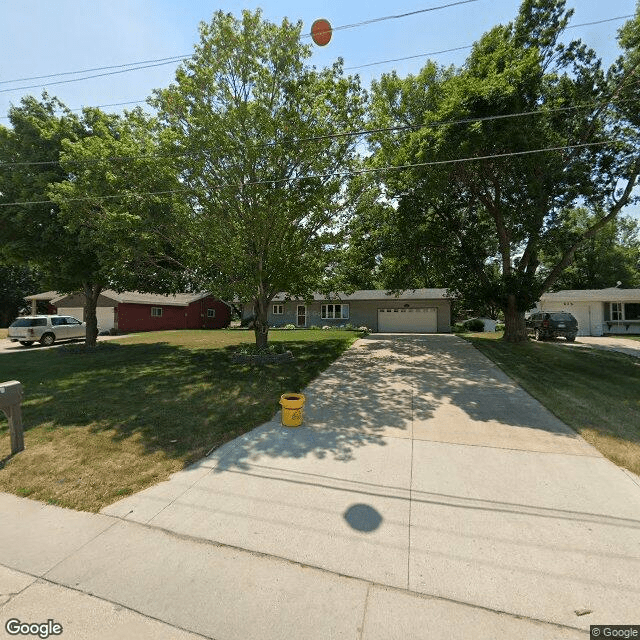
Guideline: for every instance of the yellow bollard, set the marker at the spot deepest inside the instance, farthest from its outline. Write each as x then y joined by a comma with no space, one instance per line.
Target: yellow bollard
292,404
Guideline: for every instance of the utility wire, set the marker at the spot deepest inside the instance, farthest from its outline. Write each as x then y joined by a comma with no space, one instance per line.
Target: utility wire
321,176
158,62
342,134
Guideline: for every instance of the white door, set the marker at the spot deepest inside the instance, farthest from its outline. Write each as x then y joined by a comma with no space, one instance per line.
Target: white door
105,317
423,320
76,312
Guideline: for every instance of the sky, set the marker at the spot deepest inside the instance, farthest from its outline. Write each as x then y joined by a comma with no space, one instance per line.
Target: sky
43,37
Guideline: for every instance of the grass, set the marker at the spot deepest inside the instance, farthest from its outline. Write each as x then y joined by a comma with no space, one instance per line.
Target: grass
105,423
595,392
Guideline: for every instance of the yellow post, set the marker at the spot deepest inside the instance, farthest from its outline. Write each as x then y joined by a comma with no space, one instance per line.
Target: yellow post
292,404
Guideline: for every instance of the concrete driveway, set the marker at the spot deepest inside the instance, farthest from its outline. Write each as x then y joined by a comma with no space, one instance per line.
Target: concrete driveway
420,466
624,345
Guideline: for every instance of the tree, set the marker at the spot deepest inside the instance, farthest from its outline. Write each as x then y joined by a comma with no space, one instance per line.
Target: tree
483,222
611,256
69,208
16,282
250,128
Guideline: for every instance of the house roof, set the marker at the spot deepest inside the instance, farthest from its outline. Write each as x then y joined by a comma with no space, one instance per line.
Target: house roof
132,297
47,295
376,294
610,294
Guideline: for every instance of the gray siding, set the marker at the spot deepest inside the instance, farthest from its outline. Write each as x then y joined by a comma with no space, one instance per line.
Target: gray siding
361,312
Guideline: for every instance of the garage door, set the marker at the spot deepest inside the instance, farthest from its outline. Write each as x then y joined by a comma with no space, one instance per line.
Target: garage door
423,320
103,314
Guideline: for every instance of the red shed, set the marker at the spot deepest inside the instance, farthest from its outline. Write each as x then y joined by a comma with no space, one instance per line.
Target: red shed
131,311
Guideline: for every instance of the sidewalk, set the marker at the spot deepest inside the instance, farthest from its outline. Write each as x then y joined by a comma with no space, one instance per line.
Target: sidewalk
426,495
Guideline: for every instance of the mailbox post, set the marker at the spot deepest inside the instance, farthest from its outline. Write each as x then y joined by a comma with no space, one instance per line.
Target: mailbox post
10,403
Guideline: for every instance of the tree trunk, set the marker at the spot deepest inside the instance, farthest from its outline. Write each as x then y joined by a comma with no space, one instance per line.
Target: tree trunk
91,293
261,324
515,329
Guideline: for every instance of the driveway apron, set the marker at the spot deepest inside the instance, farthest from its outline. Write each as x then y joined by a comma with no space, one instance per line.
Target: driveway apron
420,465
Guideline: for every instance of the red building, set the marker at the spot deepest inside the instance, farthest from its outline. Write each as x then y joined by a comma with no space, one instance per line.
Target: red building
131,311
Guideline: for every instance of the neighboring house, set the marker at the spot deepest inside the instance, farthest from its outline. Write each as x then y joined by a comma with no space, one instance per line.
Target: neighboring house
413,311
598,311
132,311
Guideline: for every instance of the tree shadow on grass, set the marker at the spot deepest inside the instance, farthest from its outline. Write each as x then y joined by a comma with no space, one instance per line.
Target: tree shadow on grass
180,401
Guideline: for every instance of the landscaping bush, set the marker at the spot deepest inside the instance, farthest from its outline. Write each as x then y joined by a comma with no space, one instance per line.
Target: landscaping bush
458,327
289,326
500,327
364,330
474,325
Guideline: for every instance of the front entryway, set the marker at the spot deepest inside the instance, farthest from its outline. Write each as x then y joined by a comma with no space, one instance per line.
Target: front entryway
421,320
302,316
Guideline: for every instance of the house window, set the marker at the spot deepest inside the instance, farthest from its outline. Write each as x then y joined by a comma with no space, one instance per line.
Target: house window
632,311
211,313
156,312
335,311
616,310
278,309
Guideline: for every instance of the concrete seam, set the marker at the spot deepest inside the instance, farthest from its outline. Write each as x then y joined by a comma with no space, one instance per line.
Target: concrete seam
364,611
113,602
50,569
416,594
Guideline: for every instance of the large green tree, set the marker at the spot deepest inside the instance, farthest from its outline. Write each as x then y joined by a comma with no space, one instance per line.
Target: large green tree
251,129
482,222
609,257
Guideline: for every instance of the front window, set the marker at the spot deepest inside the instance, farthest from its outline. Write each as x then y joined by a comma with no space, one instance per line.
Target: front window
156,312
632,311
211,313
278,309
335,311
616,310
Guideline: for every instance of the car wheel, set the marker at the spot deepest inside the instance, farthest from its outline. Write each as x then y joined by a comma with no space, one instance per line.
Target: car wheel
571,338
537,334
26,343
47,339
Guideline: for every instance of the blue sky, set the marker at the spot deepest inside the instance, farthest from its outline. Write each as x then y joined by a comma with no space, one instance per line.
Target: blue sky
39,37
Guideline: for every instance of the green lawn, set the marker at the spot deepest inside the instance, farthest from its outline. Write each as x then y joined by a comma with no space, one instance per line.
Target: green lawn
595,392
106,423
625,337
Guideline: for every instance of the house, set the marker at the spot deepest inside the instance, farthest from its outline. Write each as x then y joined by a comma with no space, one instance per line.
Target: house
413,311
598,311
132,311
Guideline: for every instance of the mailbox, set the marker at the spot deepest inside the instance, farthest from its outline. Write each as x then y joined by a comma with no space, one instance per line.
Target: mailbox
10,404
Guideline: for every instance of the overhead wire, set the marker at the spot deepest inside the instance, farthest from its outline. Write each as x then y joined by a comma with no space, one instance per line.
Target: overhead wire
341,134
341,174
148,64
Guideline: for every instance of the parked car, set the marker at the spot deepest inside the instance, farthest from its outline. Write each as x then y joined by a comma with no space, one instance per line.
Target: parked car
552,325
46,329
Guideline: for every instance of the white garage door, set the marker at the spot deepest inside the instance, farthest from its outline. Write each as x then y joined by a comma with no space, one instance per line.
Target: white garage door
104,315
424,320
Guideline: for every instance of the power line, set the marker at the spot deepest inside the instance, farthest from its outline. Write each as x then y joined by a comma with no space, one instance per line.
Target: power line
147,64
321,176
341,134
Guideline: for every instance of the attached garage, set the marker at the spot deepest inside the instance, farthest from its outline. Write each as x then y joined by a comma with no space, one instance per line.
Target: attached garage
105,315
416,320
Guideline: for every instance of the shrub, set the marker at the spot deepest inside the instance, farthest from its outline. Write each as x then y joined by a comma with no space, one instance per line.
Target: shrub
364,330
349,326
499,327
289,326
474,325
247,322
326,326
314,327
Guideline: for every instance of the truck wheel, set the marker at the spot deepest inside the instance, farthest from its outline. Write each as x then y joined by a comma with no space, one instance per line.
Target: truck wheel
47,339
571,338
537,334
26,343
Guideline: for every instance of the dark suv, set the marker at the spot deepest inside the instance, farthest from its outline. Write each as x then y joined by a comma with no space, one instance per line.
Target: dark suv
552,325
